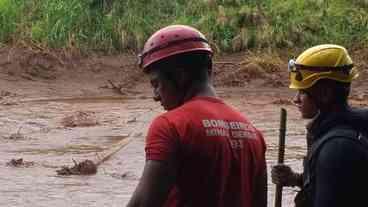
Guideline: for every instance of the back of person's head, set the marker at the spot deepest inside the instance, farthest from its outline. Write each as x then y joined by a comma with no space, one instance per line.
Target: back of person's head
327,92
193,68
325,71
180,54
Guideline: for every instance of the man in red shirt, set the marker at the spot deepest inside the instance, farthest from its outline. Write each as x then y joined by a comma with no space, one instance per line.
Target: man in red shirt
201,152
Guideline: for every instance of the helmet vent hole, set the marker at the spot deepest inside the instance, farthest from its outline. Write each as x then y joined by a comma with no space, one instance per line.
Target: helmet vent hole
176,35
162,36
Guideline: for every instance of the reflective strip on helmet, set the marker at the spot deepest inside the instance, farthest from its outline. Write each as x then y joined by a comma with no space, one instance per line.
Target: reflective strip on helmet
293,66
341,68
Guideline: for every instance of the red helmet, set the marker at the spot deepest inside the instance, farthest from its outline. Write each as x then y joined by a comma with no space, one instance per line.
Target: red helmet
172,40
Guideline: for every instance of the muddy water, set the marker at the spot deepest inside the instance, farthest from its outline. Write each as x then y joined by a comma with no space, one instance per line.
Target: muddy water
35,130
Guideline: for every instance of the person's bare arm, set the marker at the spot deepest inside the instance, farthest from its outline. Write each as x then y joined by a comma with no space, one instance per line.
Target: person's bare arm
260,190
154,186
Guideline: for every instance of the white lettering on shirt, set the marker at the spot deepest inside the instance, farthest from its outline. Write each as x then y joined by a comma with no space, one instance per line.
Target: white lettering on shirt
232,129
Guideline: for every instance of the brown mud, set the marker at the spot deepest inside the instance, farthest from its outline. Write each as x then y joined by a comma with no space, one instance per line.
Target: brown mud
59,109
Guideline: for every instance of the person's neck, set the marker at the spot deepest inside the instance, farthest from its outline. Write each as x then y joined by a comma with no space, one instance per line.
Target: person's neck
335,108
205,90
208,91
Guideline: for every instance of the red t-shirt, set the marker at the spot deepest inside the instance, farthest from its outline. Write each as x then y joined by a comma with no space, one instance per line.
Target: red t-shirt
218,153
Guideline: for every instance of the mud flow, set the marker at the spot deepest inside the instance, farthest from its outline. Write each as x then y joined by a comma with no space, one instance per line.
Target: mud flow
72,130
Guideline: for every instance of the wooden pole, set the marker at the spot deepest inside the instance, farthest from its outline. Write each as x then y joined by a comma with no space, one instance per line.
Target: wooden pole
280,160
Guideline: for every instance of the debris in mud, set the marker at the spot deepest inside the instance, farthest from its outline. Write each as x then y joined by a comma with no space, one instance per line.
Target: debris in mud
87,167
242,75
80,119
6,98
8,102
131,120
118,88
40,65
6,94
17,135
138,134
276,81
126,175
359,99
266,67
254,70
270,63
282,102
360,96
239,78
19,163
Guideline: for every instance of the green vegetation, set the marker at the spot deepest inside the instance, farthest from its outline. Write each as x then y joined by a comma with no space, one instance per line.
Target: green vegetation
231,25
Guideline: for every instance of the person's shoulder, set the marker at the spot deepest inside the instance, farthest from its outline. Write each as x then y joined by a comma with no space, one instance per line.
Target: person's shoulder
197,106
179,114
160,120
341,143
194,105
341,149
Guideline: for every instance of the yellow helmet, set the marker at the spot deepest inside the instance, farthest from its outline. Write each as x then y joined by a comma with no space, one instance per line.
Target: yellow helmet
325,61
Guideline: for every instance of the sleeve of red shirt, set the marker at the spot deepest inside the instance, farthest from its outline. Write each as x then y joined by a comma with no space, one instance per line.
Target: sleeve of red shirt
262,156
161,140
262,141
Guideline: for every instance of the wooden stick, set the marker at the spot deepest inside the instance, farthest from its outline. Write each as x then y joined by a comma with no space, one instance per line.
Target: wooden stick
118,89
106,154
283,116
100,157
226,63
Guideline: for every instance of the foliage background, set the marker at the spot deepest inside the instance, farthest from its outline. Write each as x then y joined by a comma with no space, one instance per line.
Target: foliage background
230,25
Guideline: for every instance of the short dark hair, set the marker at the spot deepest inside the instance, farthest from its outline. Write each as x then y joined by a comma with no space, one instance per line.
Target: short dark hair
197,64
